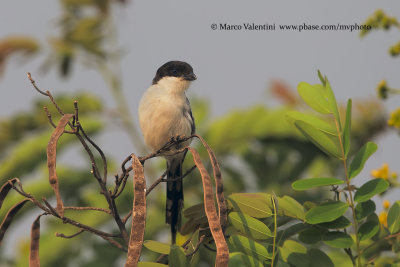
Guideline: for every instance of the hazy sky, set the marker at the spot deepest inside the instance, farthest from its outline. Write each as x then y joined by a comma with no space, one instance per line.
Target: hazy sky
233,67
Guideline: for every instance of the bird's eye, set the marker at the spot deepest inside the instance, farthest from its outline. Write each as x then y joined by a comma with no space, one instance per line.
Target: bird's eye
174,72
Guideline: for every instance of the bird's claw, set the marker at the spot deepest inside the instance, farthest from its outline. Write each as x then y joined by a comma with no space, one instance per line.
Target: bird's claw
177,138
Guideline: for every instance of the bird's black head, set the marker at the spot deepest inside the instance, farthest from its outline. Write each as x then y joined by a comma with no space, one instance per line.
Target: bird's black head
175,69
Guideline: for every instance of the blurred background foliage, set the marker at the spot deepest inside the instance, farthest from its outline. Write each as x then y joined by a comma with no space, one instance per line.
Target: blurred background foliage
254,156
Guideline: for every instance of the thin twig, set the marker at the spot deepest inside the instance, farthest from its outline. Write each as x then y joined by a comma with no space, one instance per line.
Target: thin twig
104,191
128,158
49,117
50,96
127,217
53,211
122,178
92,160
201,239
70,236
88,228
103,157
117,194
209,248
162,179
88,208
76,117
175,141
110,240
34,85
159,180
114,243
21,191
102,182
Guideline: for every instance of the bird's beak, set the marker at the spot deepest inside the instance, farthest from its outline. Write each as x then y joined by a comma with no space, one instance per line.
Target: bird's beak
190,77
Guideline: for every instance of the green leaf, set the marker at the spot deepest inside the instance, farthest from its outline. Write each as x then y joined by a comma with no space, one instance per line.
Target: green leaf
325,126
370,189
249,247
256,205
240,259
288,206
196,213
259,205
347,129
358,162
393,218
322,78
364,209
249,226
299,259
150,264
177,257
320,139
340,223
284,234
326,212
319,258
337,239
315,182
194,240
332,104
309,205
314,96
368,229
156,246
290,247
310,236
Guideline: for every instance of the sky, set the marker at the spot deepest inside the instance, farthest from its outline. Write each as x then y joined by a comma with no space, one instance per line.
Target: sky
233,67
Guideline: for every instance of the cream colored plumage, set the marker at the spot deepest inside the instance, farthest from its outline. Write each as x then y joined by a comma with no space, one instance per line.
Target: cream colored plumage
164,113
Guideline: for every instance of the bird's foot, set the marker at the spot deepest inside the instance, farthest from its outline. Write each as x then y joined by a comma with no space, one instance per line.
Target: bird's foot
177,138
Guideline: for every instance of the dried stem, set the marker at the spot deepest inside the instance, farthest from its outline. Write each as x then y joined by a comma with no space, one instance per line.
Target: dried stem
34,85
70,236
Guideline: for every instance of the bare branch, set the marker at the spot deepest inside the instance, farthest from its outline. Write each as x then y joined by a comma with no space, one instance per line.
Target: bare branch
34,85
115,243
88,208
103,157
70,236
172,144
127,216
162,179
159,180
49,117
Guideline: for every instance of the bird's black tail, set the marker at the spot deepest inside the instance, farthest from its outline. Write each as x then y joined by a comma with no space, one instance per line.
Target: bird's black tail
174,202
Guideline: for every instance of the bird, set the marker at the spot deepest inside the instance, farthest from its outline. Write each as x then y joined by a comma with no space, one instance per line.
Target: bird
165,113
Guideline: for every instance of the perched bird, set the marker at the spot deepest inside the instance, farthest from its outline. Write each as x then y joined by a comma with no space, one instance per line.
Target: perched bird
165,113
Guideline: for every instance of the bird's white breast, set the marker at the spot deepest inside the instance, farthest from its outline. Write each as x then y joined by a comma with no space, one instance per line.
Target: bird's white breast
161,116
